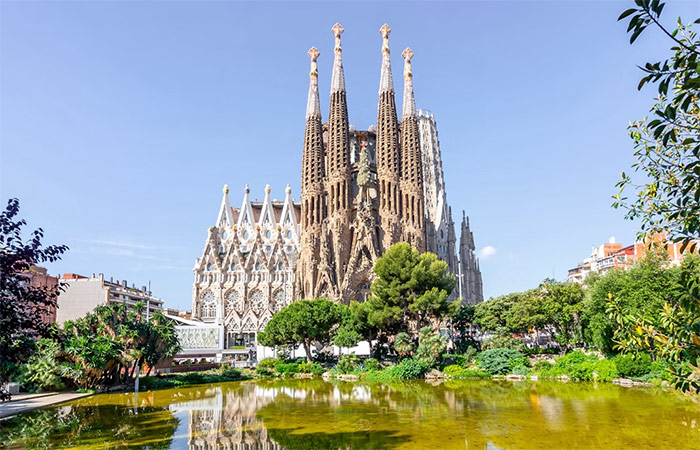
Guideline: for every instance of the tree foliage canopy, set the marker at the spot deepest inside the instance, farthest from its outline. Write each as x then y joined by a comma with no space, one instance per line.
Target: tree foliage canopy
22,305
303,322
667,144
411,289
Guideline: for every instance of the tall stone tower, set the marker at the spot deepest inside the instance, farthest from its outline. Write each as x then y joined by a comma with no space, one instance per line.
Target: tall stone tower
313,196
388,151
411,203
362,191
471,286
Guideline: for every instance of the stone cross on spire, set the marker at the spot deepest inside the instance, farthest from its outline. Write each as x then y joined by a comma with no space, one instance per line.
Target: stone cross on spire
386,82
313,104
338,77
409,102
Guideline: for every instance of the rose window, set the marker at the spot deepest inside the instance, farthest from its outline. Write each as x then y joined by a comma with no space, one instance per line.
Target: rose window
257,301
234,302
279,300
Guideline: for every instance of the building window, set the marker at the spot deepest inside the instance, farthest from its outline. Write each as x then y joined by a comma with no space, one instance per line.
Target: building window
208,304
268,234
233,266
257,266
280,266
289,234
257,301
209,267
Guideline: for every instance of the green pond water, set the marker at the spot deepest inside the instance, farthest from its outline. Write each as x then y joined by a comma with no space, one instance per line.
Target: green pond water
314,414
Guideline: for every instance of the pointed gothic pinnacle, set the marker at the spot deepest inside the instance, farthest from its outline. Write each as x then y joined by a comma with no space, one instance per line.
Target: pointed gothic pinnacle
337,31
409,101
338,77
313,105
267,189
313,54
225,189
385,31
386,82
407,56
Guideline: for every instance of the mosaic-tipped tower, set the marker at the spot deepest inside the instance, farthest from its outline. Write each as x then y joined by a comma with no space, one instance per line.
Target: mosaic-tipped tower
312,187
388,151
411,184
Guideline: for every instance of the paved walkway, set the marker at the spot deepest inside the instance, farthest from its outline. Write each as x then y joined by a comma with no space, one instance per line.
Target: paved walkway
26,402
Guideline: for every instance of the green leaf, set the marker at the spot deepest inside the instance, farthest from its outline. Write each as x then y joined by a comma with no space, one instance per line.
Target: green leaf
627,13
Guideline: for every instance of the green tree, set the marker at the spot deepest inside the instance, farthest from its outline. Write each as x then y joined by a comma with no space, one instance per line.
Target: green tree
411,288
431,346
667,149
640,290
22,306
671,333
107,344
561,305
462,325
667,145
304,322
495,312
403,345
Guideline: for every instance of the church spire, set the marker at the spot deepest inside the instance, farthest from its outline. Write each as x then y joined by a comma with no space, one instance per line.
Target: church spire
388,150
338,77
338,145
313,105
413,208
313,159
409,102
386,82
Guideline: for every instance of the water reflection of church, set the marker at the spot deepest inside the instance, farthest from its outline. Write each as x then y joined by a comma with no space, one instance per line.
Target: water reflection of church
226,420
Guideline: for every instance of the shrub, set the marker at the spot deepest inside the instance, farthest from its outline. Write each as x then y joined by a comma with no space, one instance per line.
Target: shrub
312,367
605,370
503,341
262,371
190,378
287,368
520,370
457,371
407,369
371,364
269,363
496,360
228,373
403,345
42,370
541,366
629,366
347,363
431,347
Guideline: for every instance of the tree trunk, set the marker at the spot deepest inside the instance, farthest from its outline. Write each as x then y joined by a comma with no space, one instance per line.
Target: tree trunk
307,349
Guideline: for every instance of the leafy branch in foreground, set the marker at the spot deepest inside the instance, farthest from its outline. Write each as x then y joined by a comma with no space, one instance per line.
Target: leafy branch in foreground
667,144
673,334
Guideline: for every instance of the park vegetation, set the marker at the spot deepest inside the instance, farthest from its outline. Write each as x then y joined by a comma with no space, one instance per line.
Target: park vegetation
103,348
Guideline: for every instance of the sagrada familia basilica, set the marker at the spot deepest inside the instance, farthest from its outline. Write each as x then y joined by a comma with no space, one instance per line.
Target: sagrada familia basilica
361,192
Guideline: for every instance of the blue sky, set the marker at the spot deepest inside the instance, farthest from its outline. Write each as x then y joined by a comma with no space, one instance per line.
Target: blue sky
121,121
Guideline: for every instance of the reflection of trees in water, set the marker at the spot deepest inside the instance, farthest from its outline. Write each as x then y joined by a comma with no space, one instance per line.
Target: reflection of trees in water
69,426
300,414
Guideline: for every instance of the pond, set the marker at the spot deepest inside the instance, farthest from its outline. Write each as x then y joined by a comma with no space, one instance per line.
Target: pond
315,414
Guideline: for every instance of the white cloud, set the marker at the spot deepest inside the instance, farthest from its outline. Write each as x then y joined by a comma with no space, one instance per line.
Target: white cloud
487,252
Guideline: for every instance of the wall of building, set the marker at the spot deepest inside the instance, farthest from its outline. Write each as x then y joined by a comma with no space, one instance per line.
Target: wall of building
81,295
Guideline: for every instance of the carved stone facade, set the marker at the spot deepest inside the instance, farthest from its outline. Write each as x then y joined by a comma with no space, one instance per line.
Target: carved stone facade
362,191
247,269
